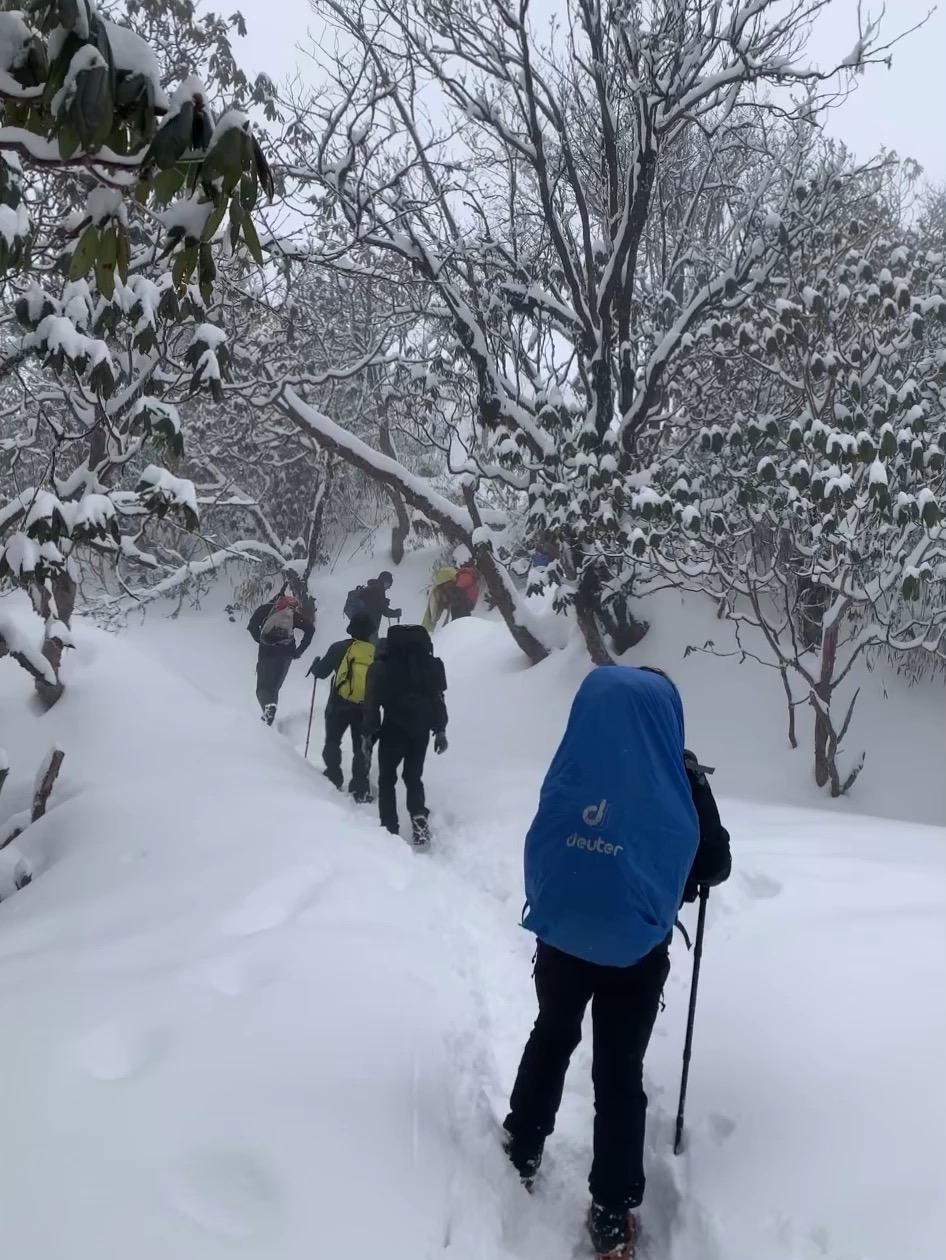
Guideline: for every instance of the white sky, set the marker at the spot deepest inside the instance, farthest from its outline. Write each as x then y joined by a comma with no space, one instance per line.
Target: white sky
903,108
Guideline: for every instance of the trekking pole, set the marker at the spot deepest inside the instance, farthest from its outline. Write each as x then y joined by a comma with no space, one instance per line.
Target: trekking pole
688,1043
311,711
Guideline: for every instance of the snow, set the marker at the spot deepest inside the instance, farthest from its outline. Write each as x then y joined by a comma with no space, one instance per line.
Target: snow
209,335
14,36
21,553
106,203
232,120
14,224
176,490
241,1020
188,213
135,55
21,634
878,473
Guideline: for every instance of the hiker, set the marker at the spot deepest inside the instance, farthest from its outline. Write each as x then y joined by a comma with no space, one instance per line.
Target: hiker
347,663
454,591
372,599
626,829
273,626
404,706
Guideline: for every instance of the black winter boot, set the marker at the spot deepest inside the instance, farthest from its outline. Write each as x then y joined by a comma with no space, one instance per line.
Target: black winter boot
420,832
613,1232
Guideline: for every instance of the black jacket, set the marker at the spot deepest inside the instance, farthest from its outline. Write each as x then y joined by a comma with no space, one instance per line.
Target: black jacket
409,694
713,862
299,622
375,602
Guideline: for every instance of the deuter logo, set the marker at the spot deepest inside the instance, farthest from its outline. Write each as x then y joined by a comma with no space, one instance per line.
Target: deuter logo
596,815
575,841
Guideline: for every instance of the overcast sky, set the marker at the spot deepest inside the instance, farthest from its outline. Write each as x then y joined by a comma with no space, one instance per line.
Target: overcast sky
903,108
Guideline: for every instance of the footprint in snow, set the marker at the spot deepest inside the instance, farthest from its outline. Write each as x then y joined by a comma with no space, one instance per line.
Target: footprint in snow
231,975
227,1193
760,886
276,901
721,1127
119,1049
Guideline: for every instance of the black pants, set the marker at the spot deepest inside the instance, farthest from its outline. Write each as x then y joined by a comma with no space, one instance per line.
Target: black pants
271,671
402,750
624,1004
339,718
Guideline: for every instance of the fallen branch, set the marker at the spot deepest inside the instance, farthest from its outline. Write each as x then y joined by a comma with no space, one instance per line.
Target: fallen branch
45,782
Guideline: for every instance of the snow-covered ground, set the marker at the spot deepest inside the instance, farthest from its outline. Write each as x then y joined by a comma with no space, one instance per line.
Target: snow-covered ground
238,1020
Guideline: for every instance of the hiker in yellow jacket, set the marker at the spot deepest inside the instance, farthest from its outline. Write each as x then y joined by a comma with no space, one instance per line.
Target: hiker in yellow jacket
346,663
454,591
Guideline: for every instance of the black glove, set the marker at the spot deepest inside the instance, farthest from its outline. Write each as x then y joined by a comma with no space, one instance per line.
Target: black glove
395,612
313,667
440,742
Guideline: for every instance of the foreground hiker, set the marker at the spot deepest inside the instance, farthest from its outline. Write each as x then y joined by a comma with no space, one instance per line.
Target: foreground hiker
625,830
372,600
454,592
273,626
347,663
404,706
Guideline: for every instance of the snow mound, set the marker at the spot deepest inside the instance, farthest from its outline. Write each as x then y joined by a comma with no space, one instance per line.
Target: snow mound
235,982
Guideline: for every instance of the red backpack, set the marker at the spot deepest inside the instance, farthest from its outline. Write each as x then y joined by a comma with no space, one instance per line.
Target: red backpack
465,581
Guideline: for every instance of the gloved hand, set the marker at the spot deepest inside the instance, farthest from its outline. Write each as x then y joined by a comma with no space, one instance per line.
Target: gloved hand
440,742
313,667
395,612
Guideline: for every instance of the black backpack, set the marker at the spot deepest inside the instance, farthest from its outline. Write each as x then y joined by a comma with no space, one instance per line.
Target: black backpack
414,677
354,603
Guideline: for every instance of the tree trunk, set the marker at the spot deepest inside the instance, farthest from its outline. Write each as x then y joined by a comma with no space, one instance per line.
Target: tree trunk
317,520
826,738
824,767
402,525
55,605
498,586
586,613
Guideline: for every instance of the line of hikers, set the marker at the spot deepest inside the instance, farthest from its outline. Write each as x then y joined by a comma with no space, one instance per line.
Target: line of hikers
626,831
388,693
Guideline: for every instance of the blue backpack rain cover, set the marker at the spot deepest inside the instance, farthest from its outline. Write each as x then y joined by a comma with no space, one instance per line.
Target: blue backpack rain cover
616,832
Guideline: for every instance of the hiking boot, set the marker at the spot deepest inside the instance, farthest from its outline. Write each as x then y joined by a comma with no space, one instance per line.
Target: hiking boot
613,1232
361,798
526,1161
269,714
420,832
336,782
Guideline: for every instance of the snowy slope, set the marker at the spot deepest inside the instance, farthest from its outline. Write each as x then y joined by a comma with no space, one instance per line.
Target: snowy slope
239,1020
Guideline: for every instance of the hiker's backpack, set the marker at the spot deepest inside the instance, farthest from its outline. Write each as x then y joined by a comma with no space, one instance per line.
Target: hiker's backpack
354,603
413,678
466,584
279,626
352,673
614,838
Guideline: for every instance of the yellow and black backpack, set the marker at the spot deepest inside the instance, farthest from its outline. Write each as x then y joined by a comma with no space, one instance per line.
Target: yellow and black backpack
352,672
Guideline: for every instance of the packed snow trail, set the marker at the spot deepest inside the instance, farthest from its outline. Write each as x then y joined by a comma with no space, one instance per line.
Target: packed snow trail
289,1035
